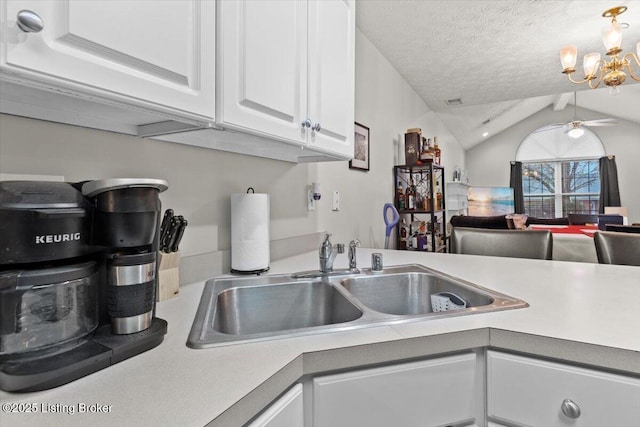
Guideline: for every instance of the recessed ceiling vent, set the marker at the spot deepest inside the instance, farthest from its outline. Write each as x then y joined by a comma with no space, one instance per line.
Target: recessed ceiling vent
456,101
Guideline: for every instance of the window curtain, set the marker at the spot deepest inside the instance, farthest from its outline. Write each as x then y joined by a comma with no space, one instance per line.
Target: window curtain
609,191
515,182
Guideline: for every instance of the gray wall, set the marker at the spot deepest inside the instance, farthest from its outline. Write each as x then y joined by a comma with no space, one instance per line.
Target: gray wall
202,180
388,106
488,163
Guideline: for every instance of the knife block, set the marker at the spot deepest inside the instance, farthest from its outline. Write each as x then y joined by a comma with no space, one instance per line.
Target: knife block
168,276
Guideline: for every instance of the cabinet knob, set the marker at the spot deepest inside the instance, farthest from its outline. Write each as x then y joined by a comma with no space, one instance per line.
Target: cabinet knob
29,22
306,123
316,127
570,408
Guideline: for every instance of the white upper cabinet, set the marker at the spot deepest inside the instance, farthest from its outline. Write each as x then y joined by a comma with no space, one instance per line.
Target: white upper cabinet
157,55
286,71
331,74
262,68
274,78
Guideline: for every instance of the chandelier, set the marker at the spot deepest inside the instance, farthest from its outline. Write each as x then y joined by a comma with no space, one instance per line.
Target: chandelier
597,70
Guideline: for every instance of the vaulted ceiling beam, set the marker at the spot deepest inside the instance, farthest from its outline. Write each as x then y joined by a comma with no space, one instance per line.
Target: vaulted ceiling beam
561,101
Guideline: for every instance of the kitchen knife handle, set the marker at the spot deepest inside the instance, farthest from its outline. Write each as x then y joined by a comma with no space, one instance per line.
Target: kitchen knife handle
173,231
166,219
165,228
179,234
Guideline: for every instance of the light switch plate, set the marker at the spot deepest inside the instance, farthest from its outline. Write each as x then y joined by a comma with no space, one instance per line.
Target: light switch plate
336,200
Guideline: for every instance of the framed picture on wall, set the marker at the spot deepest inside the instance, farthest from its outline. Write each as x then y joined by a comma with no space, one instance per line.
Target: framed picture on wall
360,148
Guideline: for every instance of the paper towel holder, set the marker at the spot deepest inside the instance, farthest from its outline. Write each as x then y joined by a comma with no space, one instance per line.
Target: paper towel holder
259,271
250,272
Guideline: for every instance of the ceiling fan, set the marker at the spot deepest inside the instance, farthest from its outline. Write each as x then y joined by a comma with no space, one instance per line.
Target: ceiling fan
574,127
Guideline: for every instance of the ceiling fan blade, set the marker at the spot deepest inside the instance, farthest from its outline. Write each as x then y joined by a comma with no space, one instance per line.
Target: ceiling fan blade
602,122
549,127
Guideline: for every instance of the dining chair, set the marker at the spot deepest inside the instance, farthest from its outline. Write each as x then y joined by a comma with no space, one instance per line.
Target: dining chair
582,219
606,219
623,228
617,248
535,244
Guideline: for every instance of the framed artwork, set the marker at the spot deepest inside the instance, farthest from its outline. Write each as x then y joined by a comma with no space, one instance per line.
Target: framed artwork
360,148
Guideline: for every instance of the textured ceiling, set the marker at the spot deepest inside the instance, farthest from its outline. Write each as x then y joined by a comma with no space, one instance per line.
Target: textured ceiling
500,57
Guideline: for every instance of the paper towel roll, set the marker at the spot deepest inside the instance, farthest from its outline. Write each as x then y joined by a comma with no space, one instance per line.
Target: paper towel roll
249,232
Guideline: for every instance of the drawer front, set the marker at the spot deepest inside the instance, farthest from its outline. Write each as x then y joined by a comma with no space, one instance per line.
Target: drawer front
427,393
531,392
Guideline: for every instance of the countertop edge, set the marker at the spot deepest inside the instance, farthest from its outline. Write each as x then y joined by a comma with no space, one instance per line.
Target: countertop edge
405,349
260,397
576,352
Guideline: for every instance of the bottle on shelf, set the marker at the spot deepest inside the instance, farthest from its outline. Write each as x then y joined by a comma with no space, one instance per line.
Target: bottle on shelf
419,196
422,238
422,228
402,244
438,197
427,202
430,151
411,196
436,150
400,197
425,156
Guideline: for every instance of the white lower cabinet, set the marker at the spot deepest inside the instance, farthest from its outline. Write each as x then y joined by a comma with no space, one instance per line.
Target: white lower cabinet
287,411
435,392
525,391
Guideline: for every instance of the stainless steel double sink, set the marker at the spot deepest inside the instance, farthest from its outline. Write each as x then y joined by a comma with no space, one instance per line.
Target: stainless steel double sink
235,310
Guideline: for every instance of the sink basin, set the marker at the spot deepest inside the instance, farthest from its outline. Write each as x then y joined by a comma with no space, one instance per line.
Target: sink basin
236,310
410,293
281,307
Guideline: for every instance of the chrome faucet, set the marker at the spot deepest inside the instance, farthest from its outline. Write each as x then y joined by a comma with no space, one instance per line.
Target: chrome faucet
328,254
352,254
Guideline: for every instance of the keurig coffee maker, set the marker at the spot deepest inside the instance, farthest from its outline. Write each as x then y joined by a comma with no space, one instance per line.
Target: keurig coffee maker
126,223
77,278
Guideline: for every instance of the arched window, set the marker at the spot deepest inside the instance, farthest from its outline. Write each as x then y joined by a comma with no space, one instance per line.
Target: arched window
560,174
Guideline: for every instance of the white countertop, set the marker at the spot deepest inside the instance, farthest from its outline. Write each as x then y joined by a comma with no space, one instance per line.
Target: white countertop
175,385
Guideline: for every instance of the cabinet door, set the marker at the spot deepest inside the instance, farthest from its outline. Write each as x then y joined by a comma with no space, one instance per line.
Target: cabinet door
427,393
160,55
332,74
532,392
288,411
262,69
